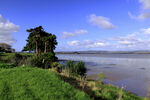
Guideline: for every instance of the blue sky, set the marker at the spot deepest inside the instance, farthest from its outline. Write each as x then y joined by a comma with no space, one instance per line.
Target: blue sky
79,24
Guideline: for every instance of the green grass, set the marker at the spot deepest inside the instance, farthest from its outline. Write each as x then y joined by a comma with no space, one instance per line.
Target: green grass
4,65
25,83
110,92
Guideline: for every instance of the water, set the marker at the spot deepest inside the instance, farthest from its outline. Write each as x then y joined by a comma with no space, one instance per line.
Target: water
129,70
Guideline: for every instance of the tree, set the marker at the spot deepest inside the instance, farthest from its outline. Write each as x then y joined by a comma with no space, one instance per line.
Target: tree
2,50
4,47
40,41
43,44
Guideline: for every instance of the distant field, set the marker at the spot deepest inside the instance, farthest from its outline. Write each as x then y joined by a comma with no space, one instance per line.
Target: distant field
24,83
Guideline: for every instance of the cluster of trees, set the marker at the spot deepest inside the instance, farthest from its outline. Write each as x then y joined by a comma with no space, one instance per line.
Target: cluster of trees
4,47
40,41
43,44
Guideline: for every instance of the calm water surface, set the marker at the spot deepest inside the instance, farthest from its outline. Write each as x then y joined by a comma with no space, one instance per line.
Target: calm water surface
129,70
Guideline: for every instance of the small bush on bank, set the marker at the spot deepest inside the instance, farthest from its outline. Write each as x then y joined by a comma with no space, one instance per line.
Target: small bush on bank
80,68
76,68
47,59
69,66
57,66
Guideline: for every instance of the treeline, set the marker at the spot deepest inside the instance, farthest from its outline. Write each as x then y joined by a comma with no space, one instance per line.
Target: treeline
4,47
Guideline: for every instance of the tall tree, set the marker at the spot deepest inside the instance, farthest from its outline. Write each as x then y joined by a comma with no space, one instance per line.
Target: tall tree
40,41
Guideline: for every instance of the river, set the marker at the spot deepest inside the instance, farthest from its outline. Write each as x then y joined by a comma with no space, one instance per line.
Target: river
132,71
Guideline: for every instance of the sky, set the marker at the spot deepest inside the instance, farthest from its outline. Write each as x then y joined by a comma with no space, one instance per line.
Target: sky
114,25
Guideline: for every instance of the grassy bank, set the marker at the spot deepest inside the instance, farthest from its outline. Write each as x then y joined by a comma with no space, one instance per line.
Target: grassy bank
25,83
99,91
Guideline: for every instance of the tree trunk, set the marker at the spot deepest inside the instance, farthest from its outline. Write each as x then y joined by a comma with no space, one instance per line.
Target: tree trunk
45,48
36,51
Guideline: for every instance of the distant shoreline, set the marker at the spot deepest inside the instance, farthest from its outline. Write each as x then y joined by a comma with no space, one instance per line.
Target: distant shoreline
107,52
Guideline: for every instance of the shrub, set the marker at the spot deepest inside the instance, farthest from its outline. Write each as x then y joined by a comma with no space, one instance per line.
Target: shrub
17,59
13,58
70,66
80,69
43,61
57,66
34,61
48,58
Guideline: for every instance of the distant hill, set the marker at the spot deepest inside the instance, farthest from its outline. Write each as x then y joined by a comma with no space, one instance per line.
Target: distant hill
105,52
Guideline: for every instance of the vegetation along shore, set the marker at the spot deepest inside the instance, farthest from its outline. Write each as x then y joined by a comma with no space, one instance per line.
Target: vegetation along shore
40,76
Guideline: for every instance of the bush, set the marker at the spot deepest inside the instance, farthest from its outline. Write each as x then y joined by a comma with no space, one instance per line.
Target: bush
78,68
57,66
17,59
44,60
13,58
70,66
34,61
48,58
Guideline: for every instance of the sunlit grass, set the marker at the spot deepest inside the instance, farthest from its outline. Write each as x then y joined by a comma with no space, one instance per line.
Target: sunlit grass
25,83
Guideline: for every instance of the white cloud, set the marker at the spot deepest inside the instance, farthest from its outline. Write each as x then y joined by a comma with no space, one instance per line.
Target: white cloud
75,33
132,41
146,30
142,16
6,30
145,4
145,13
73,43
132,16
101,21
136,41
87,44
126,40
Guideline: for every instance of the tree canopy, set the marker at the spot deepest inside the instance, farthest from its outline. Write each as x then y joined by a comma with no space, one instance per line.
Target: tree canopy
40,41
4,47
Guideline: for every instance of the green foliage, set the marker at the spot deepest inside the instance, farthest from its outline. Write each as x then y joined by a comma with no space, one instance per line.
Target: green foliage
76,68
26,83
57,66
80,69
4,65
2,49
40,41
69,66
43,61
34,61
13,58
110,92
17,59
